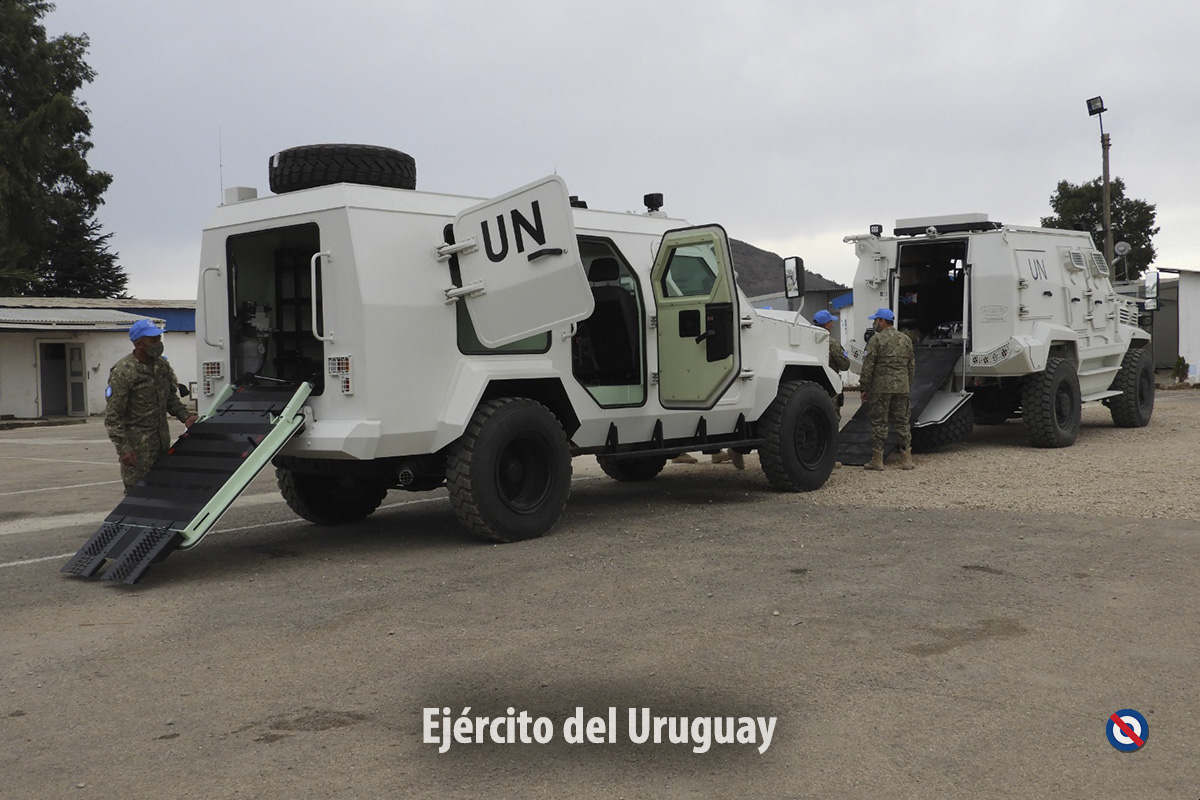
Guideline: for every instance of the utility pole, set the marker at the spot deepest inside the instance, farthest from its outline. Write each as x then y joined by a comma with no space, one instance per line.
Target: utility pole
1096,109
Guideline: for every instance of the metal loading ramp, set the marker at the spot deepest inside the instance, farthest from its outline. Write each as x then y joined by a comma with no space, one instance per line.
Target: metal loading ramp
192,484
934,365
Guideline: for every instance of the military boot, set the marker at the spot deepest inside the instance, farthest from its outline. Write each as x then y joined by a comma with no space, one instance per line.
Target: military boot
906,460
876,462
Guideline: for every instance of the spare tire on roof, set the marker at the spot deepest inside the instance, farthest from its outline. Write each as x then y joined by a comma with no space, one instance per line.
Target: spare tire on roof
323,164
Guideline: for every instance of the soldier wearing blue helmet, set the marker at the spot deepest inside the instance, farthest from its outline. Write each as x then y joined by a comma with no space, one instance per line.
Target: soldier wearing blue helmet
889,366
142,391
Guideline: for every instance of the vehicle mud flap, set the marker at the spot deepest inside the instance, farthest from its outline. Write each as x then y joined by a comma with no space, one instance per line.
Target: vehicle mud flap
934,365
193,483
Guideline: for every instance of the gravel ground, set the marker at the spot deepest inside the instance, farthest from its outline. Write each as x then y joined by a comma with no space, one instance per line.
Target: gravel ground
1150,472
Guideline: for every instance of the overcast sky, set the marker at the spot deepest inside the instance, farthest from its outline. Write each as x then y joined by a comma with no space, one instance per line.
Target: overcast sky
793,124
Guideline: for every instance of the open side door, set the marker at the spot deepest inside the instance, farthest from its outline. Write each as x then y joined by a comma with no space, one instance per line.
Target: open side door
519,264
698,346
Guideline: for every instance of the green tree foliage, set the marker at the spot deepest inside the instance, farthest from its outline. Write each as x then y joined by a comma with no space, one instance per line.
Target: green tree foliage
50,242
1081,208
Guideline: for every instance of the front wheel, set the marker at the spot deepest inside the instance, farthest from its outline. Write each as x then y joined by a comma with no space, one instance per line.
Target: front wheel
1135,381
509,474
800,428
1051,405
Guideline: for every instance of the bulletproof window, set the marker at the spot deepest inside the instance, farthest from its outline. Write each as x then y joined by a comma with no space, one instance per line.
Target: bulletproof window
691,271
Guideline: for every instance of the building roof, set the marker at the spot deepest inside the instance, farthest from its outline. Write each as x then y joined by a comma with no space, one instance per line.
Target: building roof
91,302
65,319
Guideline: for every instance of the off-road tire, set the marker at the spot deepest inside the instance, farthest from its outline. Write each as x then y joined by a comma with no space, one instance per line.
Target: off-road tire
1135,381
1050,404
800,429
632,470
952,431
509,474
315,165
327,499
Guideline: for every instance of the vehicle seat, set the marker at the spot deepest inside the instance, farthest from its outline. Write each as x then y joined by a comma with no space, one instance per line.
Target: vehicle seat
609,335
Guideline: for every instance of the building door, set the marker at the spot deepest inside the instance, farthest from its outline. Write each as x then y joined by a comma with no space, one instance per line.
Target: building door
52,377
77,405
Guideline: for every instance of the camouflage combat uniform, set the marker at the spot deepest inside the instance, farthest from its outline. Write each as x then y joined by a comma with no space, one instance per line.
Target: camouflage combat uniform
889,367
139,398
839,362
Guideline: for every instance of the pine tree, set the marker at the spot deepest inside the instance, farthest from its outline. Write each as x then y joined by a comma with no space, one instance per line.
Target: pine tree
50,241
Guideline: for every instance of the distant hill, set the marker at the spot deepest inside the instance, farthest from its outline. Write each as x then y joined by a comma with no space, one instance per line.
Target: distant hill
761,272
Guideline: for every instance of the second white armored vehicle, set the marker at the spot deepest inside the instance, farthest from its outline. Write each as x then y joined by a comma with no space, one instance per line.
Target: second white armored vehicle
1008,321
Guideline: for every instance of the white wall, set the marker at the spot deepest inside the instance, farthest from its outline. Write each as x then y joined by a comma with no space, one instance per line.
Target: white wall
19,383
1189,322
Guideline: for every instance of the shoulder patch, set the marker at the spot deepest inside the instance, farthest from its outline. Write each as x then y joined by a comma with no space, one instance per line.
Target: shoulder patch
108,392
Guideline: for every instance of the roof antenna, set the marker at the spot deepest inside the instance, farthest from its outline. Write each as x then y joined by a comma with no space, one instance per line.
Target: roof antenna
221,163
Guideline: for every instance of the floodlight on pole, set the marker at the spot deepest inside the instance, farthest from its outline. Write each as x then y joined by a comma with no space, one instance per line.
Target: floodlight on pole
1095,106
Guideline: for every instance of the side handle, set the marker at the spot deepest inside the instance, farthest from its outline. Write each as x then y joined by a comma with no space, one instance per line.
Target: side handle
204,304
312,267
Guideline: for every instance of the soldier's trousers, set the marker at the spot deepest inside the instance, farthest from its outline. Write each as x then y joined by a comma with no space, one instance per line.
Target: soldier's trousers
148,449
889,409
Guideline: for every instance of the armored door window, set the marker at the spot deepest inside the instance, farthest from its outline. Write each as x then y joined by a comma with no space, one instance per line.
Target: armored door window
691,271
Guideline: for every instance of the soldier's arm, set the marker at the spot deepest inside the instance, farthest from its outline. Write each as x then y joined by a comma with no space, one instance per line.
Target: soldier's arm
175,406
912,366
115,411
837,356
868,367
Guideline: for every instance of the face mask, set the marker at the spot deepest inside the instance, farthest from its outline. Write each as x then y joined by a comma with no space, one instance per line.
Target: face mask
155,350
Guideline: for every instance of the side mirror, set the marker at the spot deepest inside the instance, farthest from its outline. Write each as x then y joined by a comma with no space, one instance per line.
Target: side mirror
793,277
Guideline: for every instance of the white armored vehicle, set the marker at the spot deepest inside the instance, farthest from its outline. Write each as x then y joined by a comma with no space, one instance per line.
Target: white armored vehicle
1008,322
371,337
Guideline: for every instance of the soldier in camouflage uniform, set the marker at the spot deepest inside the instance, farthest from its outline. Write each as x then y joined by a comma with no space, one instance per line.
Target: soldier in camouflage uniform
889,367
142,390
837,354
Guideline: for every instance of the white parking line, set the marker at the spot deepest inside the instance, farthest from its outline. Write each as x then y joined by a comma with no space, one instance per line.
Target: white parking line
260,499
57,488
60,460
53,441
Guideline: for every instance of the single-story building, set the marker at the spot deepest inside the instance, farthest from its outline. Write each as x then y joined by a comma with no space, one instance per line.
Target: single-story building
55,352
1189,320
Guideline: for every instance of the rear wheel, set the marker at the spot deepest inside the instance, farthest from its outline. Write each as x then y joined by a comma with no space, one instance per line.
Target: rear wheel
800,428
1135,381
509,474
328,499
954,430
1050,405
632,470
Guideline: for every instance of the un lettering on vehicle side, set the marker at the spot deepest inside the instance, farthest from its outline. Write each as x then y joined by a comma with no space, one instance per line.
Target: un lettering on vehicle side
520,222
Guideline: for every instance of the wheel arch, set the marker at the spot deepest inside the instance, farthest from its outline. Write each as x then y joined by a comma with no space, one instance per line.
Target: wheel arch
547,391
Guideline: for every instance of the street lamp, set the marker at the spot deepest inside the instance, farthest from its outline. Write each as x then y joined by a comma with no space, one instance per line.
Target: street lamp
1096,108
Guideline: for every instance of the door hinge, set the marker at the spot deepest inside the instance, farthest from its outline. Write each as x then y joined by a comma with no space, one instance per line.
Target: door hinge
746,374
468,291
445,251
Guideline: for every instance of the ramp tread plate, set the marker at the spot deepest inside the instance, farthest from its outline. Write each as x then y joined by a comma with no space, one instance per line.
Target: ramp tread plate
147,524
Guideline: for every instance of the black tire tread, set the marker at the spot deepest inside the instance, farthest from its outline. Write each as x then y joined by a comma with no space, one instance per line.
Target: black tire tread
1037,406
931,437
1127,410
632,470
323,500
460,467
771,454
313,165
